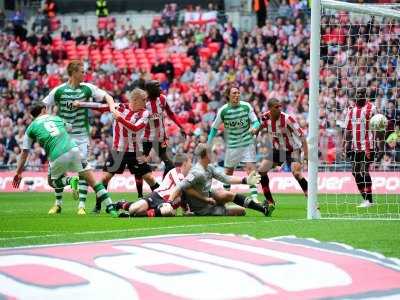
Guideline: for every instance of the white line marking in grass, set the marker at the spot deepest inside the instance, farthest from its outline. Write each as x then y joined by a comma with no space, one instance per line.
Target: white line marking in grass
30,237
24,231
358,219
143,229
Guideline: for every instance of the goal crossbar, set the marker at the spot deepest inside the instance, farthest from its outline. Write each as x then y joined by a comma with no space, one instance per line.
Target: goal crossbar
375,10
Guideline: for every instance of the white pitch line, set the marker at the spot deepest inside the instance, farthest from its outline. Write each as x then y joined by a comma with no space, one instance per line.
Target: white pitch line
24,231
175,227
146,229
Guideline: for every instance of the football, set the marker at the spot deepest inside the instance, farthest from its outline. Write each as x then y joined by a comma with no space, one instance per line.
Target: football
378,122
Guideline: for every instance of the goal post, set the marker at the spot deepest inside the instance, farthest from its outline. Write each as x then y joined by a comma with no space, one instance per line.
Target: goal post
313,112
340,59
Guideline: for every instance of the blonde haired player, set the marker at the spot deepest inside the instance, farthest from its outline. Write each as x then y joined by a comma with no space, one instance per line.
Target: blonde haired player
62,97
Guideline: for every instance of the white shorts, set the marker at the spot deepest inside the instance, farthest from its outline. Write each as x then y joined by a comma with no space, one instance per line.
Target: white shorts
70,161
83,145
244,154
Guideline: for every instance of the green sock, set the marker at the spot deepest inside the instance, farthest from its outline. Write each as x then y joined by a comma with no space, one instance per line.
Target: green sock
253,192
101,193
59,197
83,190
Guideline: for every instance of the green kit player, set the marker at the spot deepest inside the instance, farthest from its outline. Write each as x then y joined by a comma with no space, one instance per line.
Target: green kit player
240,125
63,155
63,97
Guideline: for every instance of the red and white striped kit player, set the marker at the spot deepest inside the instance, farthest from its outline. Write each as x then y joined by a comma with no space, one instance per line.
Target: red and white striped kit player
128,130
285,133
155,130
168,185
357,122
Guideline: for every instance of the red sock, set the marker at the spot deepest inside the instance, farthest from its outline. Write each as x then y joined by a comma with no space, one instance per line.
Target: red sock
151,213
139,186
266,191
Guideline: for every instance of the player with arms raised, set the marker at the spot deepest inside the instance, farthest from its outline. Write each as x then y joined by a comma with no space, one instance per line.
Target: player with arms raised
286,142
62,152
63,97
240,125
359,144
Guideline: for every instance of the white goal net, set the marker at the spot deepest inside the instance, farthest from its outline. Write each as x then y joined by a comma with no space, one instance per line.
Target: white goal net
359,67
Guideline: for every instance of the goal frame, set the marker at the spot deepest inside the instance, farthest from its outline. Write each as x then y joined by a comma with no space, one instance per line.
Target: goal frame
313,116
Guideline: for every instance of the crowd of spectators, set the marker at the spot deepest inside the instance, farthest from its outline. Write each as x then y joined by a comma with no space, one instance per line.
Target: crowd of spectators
271,61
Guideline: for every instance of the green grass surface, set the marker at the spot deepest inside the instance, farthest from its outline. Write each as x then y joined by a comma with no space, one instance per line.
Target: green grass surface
24,221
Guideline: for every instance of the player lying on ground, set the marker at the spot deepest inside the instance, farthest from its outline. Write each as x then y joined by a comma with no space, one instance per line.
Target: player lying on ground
130,121
195,189
62,97
286,142
63,155
158,203
240,125
359,144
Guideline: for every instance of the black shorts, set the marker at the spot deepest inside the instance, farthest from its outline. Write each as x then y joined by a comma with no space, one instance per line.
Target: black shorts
154,200
281,156
118,161
147,146
360,157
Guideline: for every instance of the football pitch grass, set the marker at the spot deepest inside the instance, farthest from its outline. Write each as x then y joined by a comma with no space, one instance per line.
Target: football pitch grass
24,221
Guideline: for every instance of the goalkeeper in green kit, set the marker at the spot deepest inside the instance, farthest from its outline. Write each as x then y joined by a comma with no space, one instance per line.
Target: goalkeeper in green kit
63,155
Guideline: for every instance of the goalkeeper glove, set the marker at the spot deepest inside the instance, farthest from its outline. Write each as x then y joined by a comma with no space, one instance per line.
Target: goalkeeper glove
253,178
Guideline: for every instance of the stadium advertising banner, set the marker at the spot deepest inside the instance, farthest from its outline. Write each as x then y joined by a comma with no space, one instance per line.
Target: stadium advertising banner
331,182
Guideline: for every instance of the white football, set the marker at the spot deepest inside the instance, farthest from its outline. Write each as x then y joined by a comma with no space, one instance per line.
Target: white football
378,122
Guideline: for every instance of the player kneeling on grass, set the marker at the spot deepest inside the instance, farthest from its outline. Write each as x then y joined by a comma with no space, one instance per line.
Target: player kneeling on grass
202,201
158,203
63,155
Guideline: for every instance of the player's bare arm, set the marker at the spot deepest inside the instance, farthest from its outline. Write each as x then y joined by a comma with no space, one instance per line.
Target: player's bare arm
20,167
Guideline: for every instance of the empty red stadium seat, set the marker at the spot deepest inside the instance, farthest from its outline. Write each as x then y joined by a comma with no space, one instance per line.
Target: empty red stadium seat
159,46
160,77
178,70
204,52
188,61
140,51
150,51
214,47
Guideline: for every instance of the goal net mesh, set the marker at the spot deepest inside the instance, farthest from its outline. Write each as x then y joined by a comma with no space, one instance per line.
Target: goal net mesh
358,50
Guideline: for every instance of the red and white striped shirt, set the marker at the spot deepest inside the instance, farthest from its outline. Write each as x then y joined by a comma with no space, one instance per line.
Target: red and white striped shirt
168,185
357,122
155,130
128,130
284,133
